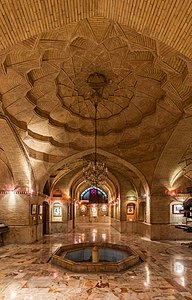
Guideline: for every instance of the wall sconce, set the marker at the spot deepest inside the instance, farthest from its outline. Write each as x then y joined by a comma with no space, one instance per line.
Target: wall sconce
177,195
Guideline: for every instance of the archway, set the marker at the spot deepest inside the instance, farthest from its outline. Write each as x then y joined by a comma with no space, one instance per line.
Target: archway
93,205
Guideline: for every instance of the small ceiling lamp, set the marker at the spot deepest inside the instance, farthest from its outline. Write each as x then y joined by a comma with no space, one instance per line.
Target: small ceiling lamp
96,172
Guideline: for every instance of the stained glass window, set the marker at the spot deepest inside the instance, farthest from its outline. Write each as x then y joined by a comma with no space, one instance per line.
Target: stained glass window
94,195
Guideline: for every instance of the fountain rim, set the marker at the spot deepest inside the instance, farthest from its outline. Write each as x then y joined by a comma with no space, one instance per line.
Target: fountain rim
120,265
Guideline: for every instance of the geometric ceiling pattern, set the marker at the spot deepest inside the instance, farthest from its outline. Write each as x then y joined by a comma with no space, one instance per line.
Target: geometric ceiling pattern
47,85
45,91
167,22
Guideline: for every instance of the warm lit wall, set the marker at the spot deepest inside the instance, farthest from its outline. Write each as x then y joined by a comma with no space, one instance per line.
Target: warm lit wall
61,222
15,211
87,217
160,209
176,218
6,176
126,187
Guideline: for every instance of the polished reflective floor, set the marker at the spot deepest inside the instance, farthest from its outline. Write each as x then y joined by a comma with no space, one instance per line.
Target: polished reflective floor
26,272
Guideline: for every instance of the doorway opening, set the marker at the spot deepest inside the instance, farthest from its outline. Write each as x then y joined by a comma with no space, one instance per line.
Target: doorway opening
45,218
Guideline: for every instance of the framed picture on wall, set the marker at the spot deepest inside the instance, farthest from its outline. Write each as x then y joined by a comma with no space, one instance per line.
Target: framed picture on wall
176,208
57,211
130,209
33,209
40,209
104,208
83,209
94,211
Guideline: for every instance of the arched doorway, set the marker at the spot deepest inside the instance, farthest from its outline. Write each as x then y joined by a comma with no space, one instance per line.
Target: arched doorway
45,218
92,206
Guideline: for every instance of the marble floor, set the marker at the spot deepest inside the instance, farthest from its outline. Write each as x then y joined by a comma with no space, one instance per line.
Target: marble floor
27,273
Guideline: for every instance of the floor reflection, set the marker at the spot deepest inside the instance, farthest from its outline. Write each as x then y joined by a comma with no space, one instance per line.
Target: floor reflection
26,272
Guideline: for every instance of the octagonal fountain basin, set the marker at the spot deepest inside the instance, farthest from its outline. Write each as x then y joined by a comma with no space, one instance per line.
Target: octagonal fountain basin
95,257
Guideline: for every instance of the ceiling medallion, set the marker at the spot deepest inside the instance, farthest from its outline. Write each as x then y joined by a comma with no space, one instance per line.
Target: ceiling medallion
96,172
97,82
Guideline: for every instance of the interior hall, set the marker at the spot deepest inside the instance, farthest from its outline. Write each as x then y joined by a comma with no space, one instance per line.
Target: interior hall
95,149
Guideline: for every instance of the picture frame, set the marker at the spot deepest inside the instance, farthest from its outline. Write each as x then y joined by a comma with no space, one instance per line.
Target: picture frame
94,211
130,209
104,208
176,208
33,209
57,211
40,209
83,209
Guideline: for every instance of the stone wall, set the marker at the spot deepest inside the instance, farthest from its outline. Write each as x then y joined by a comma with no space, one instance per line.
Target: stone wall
15,212
160,209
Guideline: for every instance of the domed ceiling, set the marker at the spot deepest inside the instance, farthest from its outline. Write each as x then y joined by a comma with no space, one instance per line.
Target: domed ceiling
47,95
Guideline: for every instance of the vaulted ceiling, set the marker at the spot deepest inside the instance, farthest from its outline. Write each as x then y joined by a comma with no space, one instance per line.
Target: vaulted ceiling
49,49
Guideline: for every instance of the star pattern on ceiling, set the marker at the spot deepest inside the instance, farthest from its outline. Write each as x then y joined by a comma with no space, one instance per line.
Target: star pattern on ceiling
46,94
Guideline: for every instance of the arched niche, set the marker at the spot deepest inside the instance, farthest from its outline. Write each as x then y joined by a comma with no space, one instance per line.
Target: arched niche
131,211
56,211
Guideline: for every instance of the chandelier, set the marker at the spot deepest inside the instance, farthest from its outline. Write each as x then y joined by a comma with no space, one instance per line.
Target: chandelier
96,172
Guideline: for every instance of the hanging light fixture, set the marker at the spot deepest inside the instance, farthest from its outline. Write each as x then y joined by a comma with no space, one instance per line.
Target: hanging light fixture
96,172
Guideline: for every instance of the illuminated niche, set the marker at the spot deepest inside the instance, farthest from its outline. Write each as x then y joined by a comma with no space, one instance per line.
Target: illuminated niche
57,212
